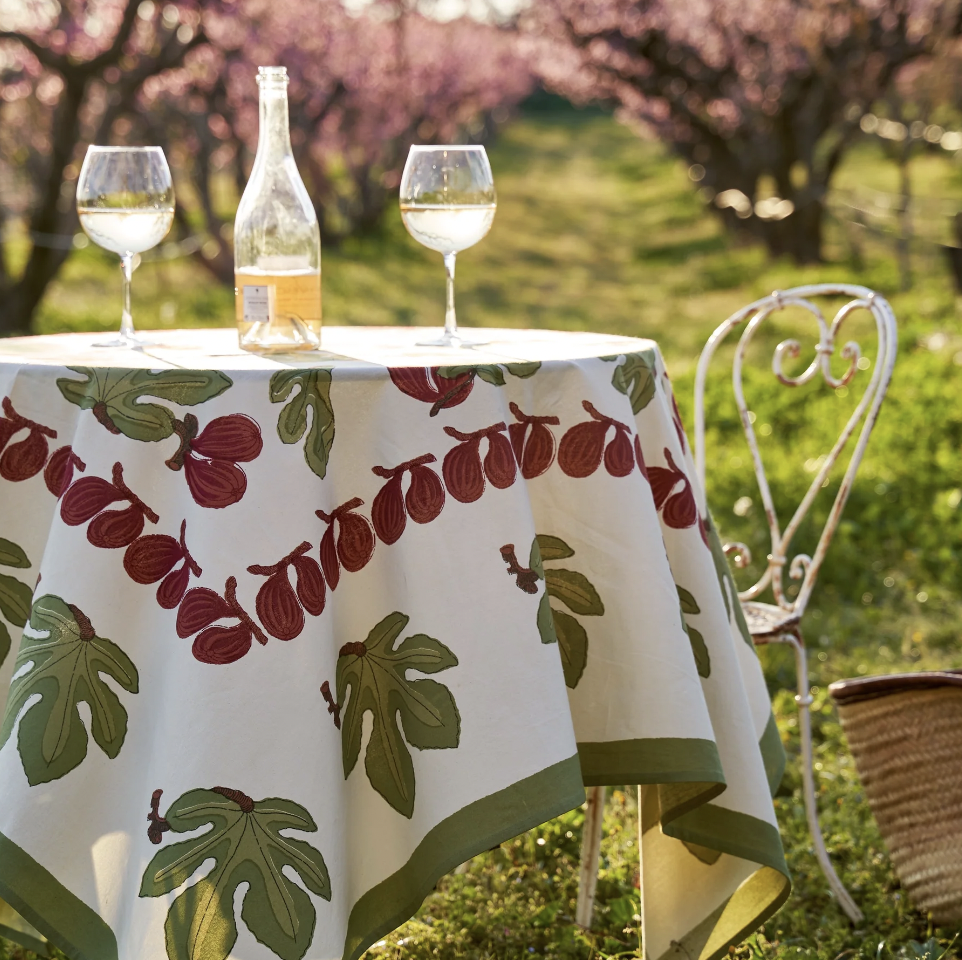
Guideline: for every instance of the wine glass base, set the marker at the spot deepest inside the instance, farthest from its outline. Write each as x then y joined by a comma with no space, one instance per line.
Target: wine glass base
131,343
452,340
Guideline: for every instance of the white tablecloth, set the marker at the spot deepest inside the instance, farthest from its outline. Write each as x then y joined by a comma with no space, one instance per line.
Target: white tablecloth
304,633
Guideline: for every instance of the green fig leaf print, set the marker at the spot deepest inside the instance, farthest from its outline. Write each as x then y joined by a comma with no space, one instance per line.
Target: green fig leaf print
314,391
552,548
577,593
115,396
12,556
491,372
247,847
698,646
373,674
635,378
15,596
65,666
726,581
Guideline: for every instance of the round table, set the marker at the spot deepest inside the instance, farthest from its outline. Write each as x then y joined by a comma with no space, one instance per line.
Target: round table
292,637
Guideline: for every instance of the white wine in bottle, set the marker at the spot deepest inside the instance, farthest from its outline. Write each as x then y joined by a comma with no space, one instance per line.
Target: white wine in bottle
277,243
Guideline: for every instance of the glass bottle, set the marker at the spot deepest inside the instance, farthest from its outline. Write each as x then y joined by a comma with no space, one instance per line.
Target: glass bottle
277,243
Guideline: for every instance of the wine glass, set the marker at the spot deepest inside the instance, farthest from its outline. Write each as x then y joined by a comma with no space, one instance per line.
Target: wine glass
125,201
448,204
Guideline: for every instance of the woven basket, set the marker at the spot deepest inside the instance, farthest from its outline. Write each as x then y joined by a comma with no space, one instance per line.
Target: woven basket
905,733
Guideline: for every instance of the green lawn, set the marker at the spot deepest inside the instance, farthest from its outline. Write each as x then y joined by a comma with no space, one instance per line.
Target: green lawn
599,230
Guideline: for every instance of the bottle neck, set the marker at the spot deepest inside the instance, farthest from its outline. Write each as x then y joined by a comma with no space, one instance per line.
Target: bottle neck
274,135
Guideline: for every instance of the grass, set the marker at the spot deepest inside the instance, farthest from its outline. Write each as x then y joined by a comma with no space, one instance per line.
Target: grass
599,230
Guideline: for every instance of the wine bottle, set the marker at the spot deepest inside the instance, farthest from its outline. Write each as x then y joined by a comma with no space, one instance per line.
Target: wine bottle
277,243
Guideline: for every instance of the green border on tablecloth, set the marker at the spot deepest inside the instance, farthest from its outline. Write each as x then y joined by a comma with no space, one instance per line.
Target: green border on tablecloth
37,895
688,771
773,755
14,927
755,900
472,830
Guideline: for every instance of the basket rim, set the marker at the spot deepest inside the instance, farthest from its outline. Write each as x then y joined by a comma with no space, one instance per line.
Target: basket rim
868,688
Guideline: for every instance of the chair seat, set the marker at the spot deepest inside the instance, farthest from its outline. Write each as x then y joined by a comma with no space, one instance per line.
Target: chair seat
768,620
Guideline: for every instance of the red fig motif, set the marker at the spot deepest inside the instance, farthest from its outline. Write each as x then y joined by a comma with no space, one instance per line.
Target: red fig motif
149,559
462,470
214,483
277,607
538,452
387,511
329,562
58,473
533,443
23,460
619,457
222,645
86,498
310,585
236,438
640,458
173,587
581,448
7,429
116,528
425,496
678,508
152,558
499,463
199,609
355,541
427,385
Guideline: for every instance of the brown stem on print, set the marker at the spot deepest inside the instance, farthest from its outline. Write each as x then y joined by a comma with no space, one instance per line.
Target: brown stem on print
356,649
87,631
22,423
640,458
103,417
128,494
529,418
476,434
241,799
332,707
186,430
458,388
266,571
191,562
230,595
526,578
388,472
158,825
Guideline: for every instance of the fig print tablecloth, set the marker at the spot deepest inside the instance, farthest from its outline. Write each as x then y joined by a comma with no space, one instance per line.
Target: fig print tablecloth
291,638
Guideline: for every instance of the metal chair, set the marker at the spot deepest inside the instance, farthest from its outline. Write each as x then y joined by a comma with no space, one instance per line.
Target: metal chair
779,622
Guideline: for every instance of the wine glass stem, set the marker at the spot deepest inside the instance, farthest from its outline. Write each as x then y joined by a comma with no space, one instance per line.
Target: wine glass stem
450,320
126,320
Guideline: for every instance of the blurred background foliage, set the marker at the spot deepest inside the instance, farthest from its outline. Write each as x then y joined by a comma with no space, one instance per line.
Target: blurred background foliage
655,207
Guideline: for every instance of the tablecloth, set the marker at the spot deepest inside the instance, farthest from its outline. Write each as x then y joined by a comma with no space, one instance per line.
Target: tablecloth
290,638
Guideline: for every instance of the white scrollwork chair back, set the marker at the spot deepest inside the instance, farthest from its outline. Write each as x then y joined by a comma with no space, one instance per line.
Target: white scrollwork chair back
779,622
785,613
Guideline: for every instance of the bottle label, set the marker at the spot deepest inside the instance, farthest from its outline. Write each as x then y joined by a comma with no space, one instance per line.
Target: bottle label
257,304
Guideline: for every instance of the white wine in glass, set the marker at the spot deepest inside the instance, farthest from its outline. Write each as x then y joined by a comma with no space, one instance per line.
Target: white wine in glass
448,204
125,201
